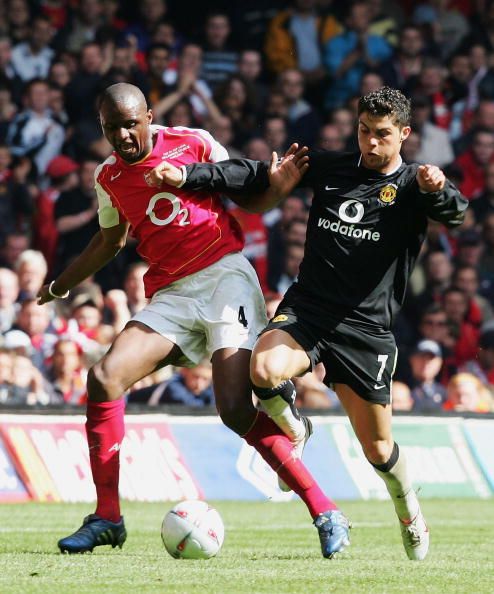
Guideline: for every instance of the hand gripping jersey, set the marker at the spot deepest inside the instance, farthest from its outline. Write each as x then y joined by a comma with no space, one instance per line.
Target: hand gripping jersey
178,231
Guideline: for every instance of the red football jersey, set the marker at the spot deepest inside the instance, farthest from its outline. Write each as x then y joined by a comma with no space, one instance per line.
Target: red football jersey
178,231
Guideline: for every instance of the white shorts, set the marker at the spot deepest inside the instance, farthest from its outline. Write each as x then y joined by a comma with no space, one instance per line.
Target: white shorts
218,307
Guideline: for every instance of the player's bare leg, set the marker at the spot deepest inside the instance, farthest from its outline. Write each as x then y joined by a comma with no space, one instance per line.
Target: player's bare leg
136,352
372,425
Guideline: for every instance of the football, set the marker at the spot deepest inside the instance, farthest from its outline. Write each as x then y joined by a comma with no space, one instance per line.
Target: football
192,530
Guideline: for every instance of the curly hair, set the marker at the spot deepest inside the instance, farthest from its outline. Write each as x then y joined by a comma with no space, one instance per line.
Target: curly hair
387,102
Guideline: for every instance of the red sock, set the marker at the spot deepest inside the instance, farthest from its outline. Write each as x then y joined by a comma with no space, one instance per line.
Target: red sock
105,432
275,447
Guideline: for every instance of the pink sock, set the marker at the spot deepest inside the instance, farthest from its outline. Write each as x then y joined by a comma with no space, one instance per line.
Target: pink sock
105,432
275,447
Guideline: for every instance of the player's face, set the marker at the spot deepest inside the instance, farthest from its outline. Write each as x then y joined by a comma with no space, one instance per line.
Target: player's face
380,139
126,127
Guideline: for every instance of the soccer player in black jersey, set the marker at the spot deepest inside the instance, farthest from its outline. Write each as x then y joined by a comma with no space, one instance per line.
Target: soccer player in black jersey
367,222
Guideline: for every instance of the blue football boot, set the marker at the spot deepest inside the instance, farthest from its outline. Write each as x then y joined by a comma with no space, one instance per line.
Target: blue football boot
333,528
94,532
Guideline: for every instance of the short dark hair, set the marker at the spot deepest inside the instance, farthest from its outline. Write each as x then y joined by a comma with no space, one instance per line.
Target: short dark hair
386,102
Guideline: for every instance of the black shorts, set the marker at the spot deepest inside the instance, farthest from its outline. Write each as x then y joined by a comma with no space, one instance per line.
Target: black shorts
363,359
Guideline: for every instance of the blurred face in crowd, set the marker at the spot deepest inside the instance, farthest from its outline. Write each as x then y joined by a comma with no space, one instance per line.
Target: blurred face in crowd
18,13
22,371
343,119
33,319
56,101
180,115
90,11
293,259
191,58
5,52
370,82
250,65
296,231
484,117
359,17
277,104
31,276
164,33
9,287
469,253
411,42
431,79
42,34
489,179
87,176
434,326
463,393
455,305
88,317
125,125
291,208
478,56
330,138
461,68
483,147
488,231
217,30
5,158
379,140
134,284
222,130
38,97
275,133
153,10
6,364
91,58
467,280
411,147
425,366
258,150
66,357
438,268
402,397
158,60
198,378
292,85
14,246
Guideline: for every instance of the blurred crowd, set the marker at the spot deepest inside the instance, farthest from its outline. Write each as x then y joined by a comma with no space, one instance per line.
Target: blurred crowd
258,76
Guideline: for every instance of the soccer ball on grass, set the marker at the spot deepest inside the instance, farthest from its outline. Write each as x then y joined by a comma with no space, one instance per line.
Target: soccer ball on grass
192,530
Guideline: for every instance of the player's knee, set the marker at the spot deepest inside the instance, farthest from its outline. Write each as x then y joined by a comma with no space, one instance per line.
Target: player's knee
237,417
378,451
101,385
266,372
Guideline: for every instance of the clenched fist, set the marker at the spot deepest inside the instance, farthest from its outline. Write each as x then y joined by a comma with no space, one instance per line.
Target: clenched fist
430,178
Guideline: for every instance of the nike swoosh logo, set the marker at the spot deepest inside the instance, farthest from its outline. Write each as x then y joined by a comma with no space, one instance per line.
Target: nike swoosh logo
376,387
113,177
328,189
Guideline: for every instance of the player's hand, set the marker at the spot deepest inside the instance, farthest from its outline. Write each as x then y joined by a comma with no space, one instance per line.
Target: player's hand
430,178
164,173
286,173
44,295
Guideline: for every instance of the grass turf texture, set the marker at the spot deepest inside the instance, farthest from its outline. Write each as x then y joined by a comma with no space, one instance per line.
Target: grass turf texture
269,548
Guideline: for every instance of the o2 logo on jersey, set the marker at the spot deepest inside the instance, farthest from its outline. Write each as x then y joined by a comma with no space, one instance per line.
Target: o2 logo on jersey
351,211
175,204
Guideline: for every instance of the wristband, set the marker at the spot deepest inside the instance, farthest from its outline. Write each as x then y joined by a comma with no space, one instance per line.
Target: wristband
50,290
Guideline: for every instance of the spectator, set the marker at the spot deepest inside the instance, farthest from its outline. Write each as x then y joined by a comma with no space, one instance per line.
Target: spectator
151,14
295,38
19,20
15,199
275,133
219,59
294,254
31,269
486,259
28,387
59,74
411,148
62,173
466,393
89,318
303,120
189,387
426,361
34,132
466,278
250,69
349,54
484,203
435,146
402,400
88,18
473,163
9,290
32,58
402,69
67,373
76,216
222,130
345,121
6,365
469,248
8,76
330,138
157,61
463,326
13,246
236,99
312,392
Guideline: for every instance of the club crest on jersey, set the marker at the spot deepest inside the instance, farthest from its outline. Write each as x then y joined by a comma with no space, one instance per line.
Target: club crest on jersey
280,318
387,195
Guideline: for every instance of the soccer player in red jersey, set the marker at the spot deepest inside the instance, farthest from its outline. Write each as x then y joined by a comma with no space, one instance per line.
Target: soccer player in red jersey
205,300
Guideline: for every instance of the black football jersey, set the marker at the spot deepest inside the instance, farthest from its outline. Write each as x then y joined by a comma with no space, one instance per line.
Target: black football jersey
364,232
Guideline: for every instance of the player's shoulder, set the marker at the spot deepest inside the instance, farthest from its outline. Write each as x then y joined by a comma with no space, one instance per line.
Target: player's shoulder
407,172
103,168
185,131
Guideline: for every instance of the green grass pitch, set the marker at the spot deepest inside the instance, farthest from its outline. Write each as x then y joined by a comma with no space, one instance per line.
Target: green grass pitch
269,548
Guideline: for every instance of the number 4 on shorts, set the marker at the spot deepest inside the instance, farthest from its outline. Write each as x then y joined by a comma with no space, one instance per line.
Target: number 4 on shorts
241,316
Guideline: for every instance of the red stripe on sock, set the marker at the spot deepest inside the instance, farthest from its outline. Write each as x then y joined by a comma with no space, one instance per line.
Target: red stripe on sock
275,447
105,432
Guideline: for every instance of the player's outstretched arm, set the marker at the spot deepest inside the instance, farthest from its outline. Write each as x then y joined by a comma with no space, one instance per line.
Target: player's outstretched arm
442,201
254,185
102,248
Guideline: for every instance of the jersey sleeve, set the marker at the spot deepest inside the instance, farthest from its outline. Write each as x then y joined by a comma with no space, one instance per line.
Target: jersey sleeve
234,175
108,215
319,163
218,152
